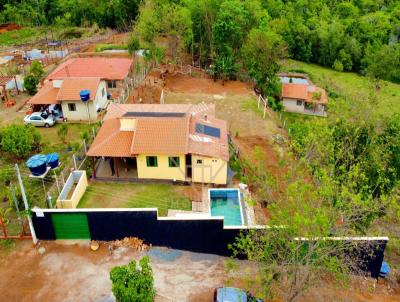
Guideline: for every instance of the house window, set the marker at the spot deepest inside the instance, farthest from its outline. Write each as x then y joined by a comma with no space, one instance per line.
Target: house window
199,161
173,162
215,160
151,161
103,92
112,84
71,106
299,103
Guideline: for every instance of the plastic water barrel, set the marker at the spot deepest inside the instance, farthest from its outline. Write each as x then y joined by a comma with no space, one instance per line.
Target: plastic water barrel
84,95
385,269
52,160
37,164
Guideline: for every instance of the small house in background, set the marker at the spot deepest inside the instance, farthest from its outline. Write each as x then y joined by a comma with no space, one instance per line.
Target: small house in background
65,94
103,77
177,142
114,71
300,95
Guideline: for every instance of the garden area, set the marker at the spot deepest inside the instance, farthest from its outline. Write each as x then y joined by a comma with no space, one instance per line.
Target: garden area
136,195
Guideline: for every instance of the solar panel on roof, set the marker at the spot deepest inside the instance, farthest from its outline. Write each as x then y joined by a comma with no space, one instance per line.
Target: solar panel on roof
208,130
153,114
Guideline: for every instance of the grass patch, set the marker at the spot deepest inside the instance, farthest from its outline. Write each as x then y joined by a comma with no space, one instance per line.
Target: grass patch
20,36
33,34
7,244
351,85
135,195
102,47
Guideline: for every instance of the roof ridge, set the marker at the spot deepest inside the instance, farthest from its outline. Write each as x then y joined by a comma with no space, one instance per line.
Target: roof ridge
105,140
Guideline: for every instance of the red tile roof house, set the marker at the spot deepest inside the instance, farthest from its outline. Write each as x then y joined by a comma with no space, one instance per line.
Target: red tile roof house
99,75
176,142
304,98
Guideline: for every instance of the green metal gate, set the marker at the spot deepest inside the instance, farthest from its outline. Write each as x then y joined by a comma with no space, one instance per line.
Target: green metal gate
70,226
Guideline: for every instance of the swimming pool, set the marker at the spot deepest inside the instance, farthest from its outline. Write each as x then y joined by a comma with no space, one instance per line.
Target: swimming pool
226,203
294,80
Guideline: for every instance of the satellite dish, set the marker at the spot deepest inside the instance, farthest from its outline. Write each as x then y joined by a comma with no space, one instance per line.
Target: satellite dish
84,95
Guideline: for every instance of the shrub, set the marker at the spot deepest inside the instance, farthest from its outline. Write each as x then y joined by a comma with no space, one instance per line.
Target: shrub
133,44
102,47
131,283
20,140
62,132
30,84
337,65
36,70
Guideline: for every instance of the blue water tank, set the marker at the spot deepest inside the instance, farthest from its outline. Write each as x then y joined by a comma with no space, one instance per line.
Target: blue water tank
52,160
85,95
385,269
37,164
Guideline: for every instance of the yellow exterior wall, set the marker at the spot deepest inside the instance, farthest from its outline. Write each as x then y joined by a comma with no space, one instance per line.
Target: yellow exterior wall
162,171
212,170
127,124
76,196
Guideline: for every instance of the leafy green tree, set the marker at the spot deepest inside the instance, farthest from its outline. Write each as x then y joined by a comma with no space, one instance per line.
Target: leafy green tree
133,44
131,283
30,84
62,132
293,253
36,70
383,62
20,140
262,54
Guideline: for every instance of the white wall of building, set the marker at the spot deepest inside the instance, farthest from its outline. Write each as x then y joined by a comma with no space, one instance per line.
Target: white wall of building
81,112
292,106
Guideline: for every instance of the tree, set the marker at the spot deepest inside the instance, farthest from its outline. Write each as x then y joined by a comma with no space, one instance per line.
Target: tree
20,140
30,84
62,132
133,44
131,283
36,70
383,63
262,53
293,253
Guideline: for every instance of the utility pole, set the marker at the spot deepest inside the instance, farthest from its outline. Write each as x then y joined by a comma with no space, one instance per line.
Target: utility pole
35,240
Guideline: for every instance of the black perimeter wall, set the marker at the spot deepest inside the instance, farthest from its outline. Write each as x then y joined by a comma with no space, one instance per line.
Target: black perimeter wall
202,236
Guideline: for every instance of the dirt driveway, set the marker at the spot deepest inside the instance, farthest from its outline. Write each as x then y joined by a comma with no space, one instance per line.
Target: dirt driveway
71,272
74,273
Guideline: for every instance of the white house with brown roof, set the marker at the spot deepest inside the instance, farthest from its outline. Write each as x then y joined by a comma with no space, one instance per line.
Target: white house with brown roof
99,75
179,142
300,95
66,93
114,71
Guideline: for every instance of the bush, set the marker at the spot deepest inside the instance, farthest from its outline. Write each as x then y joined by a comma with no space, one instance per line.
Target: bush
62,132
36,70
20,140
30,84
337,65
133,44
131,283
102,47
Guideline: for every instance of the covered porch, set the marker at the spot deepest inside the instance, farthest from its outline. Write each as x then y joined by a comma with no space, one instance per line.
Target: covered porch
114,168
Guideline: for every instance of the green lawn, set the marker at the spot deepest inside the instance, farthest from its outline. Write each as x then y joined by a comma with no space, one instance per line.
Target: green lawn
32,34
135,195
351,85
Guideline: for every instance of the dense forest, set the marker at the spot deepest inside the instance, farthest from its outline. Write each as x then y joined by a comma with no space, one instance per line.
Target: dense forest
361,36
105,13
347,35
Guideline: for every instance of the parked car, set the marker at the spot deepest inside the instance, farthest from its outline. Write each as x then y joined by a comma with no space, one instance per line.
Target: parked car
40,119
232,294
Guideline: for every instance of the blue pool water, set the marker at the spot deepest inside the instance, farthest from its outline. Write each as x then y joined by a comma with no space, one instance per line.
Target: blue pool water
294,80
226,203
